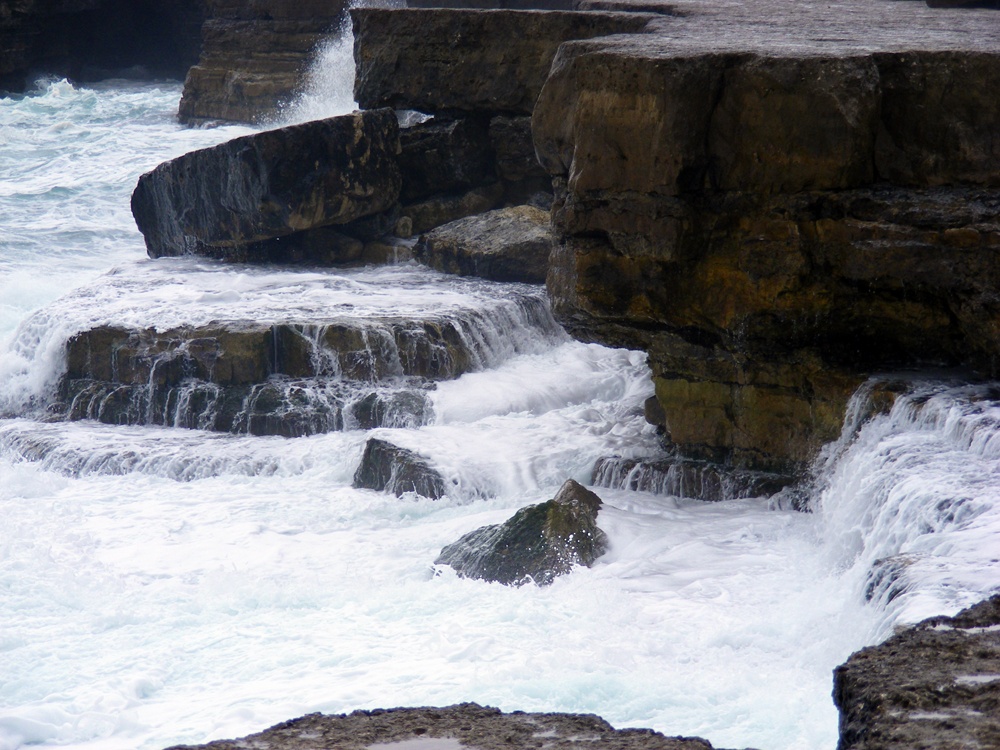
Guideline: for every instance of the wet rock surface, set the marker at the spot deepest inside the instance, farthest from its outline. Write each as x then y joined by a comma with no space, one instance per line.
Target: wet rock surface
255,54
389,468
452,63
537,544
508,244
465,725
936,685
219,201
700,480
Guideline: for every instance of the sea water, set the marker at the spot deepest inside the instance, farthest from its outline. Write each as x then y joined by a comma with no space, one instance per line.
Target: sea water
162,585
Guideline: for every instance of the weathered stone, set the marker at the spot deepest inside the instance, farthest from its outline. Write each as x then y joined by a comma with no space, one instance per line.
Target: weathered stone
437,60
516,163
509,244
254,57
445,155
441,209
537,544
465,725
700,480
270,184
388,468
936,685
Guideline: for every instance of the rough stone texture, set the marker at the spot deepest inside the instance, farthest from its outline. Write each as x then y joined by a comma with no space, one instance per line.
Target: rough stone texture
473,726
440,209
439,60
936,685
516,163
254,56
445,155
772,222
537,544
388,468
508,244
270,184
88,40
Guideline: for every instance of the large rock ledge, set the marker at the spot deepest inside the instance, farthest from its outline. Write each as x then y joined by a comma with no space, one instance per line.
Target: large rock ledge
466,725
936,685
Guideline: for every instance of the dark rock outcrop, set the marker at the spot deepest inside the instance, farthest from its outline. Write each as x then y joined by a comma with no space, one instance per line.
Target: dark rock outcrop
388,468
222,200
441,60
463,725
772,226
936,685
537,544
255,54
508,244
89,40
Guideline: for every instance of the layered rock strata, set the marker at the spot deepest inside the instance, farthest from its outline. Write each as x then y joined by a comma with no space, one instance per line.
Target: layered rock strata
454,727
536,545
772,226
934,685
233,199
255,54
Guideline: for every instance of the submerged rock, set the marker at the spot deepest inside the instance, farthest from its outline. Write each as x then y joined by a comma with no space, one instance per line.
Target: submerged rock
388,468
466,725
269,185
935,685
539,543
508,244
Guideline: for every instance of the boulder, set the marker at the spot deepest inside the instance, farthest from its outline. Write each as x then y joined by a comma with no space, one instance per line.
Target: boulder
388,468
255,54
936,684
463,725
440,60
508,244
432,212
539,543
269,185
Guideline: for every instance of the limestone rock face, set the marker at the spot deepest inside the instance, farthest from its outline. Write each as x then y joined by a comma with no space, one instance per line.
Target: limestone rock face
254,57
539,543
439,60
772,227
269,185
388,468
463,725
508,244
934,685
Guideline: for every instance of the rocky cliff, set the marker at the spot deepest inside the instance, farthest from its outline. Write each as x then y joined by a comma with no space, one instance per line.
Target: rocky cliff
88,40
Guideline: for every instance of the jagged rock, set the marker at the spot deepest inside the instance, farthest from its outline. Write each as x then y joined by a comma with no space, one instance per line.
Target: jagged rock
739,224
509,244
685,478
269,185
445,155
254,57
934,685
463,725
90,40
440,209
539,543
436,60
388,468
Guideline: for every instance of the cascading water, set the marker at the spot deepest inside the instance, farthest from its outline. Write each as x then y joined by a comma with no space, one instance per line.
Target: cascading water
170,584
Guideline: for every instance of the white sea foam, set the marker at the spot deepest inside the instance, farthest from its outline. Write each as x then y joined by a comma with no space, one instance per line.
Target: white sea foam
167,585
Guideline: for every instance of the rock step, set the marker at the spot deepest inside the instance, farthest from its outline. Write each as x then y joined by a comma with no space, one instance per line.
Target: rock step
700,480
